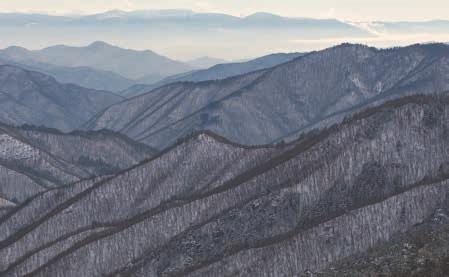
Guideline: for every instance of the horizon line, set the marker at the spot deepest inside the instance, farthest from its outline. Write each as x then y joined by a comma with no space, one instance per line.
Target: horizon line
75,14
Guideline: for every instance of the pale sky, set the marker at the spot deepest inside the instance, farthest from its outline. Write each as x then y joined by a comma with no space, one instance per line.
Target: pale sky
360,10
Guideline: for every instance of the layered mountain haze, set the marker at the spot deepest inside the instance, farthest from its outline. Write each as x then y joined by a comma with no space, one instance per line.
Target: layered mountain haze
272,104
429,27
185,34
205,62
29,97
176,33
318,157
129,63
217,72
223,71
208,207
82,76
33,159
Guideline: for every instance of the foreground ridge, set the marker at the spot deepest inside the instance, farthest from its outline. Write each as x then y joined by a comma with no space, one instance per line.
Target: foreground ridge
208,207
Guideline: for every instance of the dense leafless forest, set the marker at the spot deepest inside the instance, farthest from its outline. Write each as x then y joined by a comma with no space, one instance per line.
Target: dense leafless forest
121,162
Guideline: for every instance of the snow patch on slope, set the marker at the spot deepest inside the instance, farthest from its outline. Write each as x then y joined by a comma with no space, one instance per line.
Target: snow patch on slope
13,149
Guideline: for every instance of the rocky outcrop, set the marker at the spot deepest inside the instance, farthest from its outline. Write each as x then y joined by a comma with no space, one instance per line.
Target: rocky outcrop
208,207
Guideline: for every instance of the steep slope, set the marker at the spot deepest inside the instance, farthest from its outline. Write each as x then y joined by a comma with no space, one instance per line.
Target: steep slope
208,207
82,76
272,104
217,72
100,55
144,113
29,97
421,251
36,159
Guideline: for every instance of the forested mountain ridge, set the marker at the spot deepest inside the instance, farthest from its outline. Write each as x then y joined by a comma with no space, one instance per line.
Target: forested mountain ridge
220,141
29,97
272,104
207,207
34,159
217,72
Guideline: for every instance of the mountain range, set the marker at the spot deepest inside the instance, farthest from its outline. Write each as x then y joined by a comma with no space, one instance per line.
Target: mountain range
180,33
33,160
216,72
75,65
186,34
270,105
83,76
29,97
209,207
99,55
326,163
205,62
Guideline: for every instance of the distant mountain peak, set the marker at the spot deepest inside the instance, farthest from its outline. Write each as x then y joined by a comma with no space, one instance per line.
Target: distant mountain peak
98,44
262,15
111,14
101,45
143,13
129,63
15,48
115,11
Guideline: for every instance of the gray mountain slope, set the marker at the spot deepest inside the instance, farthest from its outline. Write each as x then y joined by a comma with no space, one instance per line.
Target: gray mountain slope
421,251
100,55
29,97
271,104
208,207
217,72
33,159
82,76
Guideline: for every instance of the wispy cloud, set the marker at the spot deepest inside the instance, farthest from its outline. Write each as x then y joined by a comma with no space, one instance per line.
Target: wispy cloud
380,40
